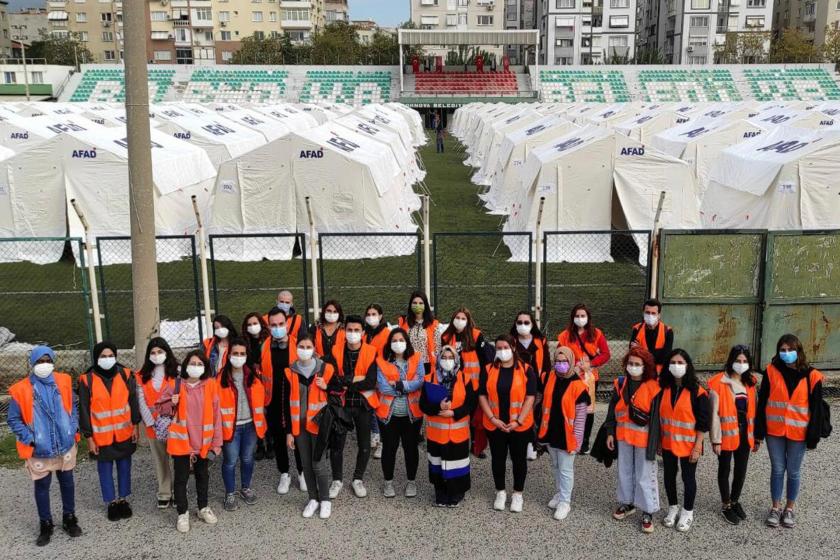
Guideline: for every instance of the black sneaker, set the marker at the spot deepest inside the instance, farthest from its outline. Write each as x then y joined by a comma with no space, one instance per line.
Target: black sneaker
124,509
584,449
731,515
623,511
113,511
45,534
739,511
70,525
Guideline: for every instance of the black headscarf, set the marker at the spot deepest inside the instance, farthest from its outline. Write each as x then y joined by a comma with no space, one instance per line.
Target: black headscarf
97,350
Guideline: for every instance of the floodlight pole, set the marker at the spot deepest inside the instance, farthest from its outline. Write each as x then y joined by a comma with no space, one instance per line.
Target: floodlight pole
94,289
144,274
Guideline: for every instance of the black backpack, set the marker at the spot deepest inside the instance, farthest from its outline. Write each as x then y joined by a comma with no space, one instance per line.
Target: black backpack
825,427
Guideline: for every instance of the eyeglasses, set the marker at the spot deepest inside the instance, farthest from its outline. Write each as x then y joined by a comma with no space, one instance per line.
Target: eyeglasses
526,323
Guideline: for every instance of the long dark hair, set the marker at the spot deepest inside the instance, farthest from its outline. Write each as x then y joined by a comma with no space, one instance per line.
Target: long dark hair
225,321
689,380
338,309
264,332
535,330
170,366
572,328
465,337
388,354
512,343
428,316
747,378
204,360
227,370
792,341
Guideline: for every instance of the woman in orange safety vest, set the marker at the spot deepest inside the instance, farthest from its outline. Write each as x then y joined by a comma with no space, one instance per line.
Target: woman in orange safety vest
217,347
422,328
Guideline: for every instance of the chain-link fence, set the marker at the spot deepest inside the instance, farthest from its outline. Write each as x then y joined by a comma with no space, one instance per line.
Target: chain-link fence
488,272
178,288
249,270
45,300
360,269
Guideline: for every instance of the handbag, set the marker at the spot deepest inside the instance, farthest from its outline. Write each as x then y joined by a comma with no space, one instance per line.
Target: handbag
163,421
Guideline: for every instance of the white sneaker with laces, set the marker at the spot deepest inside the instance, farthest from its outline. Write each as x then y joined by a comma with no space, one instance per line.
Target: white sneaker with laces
410,489
388,491
531,453
206,514
686,517
310,509
377,452
285,483
359,488
516,502
562,511
335,489
302,483
326,509
552,503
671,516
183,524
501,498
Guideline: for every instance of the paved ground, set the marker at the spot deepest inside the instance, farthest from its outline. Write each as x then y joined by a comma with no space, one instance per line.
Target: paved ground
376,527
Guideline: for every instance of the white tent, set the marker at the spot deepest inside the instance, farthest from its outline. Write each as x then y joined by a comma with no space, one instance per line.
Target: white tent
645,126
414,120
293,118
496,135
266,125
784,179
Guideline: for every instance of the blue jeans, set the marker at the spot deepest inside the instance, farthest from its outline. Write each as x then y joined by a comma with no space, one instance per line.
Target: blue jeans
374,423
785,456
42,494
241,447
106,478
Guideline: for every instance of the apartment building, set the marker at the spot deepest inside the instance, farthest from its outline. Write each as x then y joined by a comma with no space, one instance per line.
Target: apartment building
5,32
686,31
520,14
810,17
300,19
336,10
587,31
97,24
473,15
27,25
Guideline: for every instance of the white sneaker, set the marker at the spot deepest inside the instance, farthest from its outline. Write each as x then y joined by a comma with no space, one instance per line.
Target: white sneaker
410,489
516,502
531,453
377,452
562,511
686,517
374,440
183,524
359,488
388,491
326,509
310,509
501,498
335,489
552,503
671,516
302,483
206,514
285,483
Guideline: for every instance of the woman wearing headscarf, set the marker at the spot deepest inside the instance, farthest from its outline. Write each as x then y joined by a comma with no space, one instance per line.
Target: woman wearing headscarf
109,415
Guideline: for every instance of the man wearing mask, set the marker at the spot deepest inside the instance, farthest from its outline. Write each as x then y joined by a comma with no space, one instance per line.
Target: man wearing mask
356,370
653,335
295,324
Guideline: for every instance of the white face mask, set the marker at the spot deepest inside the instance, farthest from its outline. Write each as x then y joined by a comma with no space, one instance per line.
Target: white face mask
157,359
459,324
331,317
635,371
106,363
677,370
255,329
651,319
523,329
504,354
237,361
221,332
43,369
398,346
581,321
372,321
447,365
740,367
354,337
305,354
195,371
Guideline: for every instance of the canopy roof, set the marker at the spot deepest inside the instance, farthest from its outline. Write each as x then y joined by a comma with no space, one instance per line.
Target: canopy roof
459,37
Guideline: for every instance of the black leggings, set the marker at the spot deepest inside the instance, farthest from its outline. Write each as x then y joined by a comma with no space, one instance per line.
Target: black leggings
517,444
278,440
672,464
181,464
742,457
400,429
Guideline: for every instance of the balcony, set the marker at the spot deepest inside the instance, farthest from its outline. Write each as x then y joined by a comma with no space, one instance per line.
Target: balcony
202,23
808,18
698,31
183,22
296,24
697,50
564,52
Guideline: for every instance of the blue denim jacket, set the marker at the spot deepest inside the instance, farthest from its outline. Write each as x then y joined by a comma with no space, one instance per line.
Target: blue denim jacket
53,430
412,381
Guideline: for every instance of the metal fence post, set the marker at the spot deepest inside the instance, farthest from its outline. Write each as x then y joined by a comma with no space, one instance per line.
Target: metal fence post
654,253
91,269
427,242
538,271
205,283
313,245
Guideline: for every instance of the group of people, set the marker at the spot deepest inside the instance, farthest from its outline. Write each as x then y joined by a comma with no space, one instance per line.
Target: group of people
286,390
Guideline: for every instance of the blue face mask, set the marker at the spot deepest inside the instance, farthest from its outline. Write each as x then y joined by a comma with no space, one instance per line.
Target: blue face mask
284,306
788,356
278,332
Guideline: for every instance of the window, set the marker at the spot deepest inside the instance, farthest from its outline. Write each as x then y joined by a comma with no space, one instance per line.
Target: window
272,16
109,55
699,21
108,36
756,3
256,16
619,3
227,56
619,21
618,41
163,55
106,16
700,4
565,43
37,77
463,3
9,78
81,17
259,35
485,20
184,56
160,35
296,15
225,36
697,60
204,14
224,16
565,4
450,4
452,19
755,21
157,16
462,19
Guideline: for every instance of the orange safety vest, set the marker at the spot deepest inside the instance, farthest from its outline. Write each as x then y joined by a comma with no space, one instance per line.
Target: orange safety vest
678,422
208,348
450,430
379,340
178,442
316,399
625,429
569,401
517,397
430,338
22,393
293,323
641,340
383,411
152,397
267,369
469,360
367,356
730,438
788,415
589,348
228,400
319,340
110,413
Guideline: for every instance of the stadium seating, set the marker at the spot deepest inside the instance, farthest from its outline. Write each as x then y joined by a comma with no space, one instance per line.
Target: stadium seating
108,85
685,84
570,86
791,84
347,86
465,83
209,85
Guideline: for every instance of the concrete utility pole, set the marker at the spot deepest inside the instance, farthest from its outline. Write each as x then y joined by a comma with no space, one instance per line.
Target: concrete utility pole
141,189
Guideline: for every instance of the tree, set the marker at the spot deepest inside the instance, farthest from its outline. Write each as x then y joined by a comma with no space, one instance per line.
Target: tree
649,55
337,43
254,50
745,47
831,46
62,51
792,46
383,49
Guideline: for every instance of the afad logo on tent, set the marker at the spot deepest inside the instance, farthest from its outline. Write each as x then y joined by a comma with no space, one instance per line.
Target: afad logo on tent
632,151
312,154
84,154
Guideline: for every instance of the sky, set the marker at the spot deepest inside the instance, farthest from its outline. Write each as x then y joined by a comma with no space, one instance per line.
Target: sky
387,13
